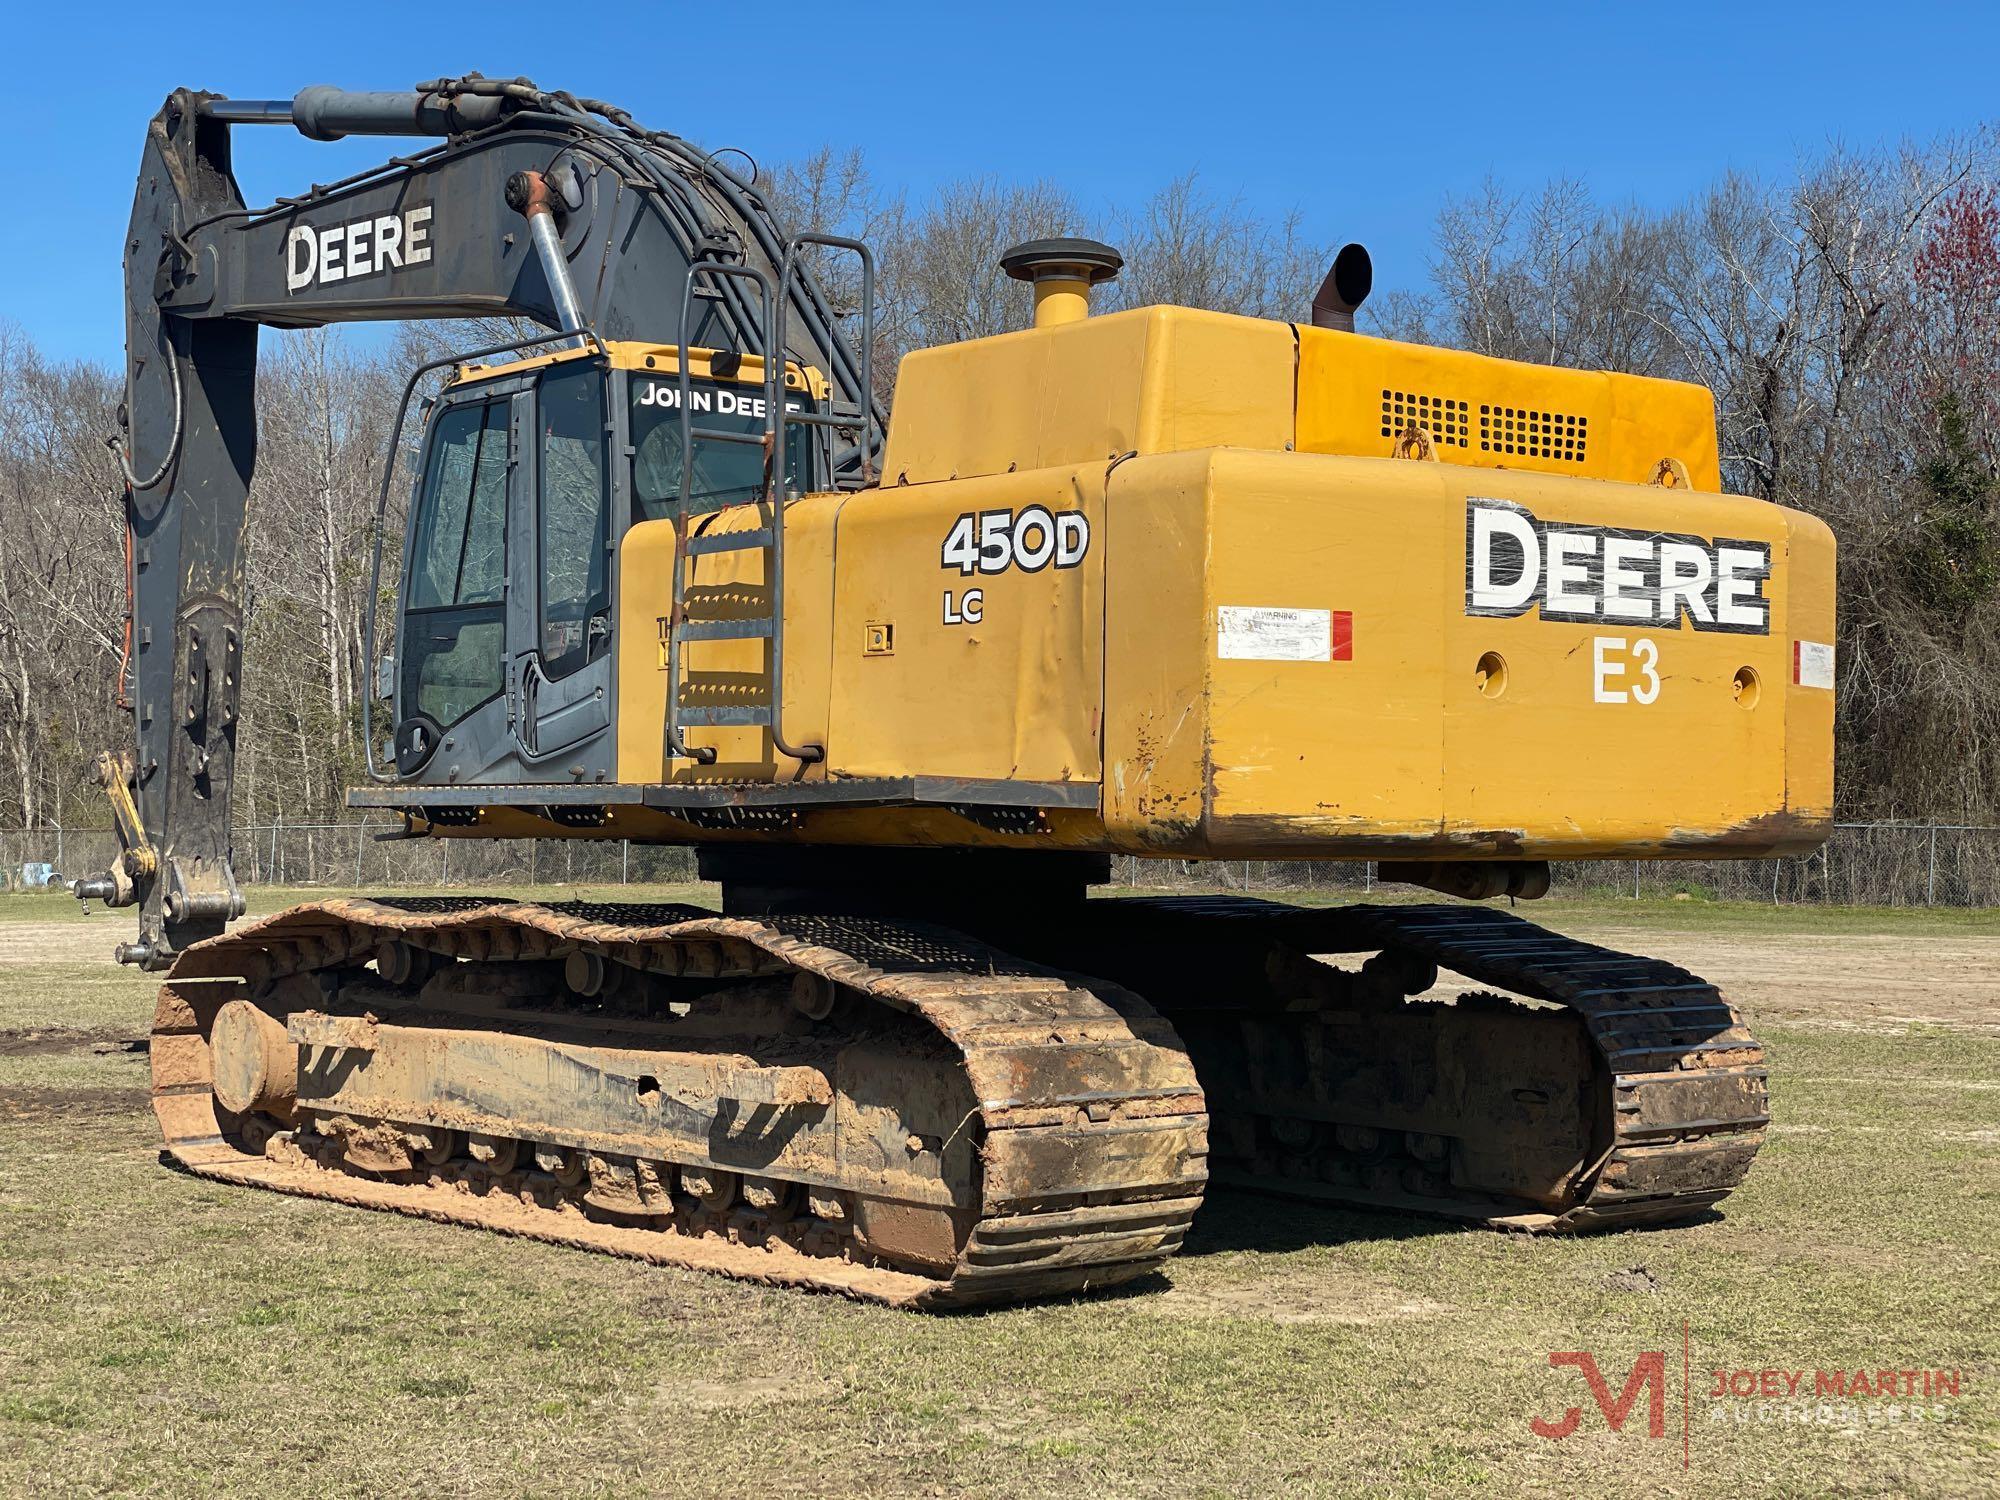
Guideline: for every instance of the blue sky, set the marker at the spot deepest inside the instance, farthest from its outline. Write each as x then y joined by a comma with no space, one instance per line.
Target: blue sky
1365,118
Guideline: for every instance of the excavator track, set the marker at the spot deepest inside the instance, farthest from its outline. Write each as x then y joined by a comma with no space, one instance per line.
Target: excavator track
1611,1090
880,1109
902,1113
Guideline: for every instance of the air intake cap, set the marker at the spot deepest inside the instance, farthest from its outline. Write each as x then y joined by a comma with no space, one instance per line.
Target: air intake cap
1063,271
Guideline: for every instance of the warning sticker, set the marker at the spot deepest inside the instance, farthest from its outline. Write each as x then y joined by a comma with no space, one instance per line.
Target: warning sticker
1260,633
1812,664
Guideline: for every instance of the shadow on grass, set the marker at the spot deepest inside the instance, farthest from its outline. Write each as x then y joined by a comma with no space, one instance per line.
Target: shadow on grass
1240,1219
1237,1219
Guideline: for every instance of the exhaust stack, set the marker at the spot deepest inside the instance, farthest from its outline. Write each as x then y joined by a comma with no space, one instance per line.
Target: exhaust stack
532,195
1062,272
1347,284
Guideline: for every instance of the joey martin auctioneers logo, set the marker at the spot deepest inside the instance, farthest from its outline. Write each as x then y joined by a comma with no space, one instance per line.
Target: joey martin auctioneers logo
1845,1397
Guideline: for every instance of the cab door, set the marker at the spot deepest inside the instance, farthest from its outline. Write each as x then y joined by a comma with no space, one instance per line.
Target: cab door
560,604
454,699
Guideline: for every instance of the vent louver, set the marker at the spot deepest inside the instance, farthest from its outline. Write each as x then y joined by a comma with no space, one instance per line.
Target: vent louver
1533,434
1449,422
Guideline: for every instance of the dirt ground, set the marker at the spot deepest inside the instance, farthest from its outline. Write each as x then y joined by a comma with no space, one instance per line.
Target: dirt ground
165,1335
1846,980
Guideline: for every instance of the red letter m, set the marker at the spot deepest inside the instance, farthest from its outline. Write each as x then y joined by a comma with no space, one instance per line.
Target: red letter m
1649,1369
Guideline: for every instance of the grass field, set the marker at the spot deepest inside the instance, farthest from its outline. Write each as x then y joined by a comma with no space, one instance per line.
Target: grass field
164,1335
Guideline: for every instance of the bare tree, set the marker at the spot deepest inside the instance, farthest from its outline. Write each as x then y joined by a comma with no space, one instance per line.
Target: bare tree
324,417
1186,247
1846,323
61,577
943,263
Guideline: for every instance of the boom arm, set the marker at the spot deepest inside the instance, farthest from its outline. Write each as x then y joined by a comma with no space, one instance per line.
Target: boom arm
449,231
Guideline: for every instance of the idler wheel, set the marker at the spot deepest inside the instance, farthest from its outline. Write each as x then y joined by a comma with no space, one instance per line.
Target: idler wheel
256,1064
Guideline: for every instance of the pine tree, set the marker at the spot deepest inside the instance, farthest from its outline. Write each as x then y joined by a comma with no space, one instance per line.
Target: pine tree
1955,560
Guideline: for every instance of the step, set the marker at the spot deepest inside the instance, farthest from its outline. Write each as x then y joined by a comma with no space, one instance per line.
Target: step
723,630
755,716
728,541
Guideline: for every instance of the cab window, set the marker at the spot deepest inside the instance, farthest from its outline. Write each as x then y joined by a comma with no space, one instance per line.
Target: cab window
724,473
575,575
454,652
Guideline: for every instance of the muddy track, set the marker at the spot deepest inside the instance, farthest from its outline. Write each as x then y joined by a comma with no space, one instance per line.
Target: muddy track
1689,1100
1085,1142
1627,1091
935,1122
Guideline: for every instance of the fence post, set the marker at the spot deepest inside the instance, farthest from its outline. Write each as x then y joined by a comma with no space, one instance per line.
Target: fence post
360,843
1777,868
1367,876
1635,880
444,863
1930,884
625,864
271,873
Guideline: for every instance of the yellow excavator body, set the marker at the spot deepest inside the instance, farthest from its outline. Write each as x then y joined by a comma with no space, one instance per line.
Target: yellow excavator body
1221,571
1162,582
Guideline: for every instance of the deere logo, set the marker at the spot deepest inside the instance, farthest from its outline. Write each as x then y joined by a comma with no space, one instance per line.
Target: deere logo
355,248
1515,562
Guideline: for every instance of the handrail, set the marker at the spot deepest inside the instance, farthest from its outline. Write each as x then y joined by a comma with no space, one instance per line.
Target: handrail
864,413
830,418
774,370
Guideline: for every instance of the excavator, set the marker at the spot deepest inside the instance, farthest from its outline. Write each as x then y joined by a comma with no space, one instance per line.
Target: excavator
1158,582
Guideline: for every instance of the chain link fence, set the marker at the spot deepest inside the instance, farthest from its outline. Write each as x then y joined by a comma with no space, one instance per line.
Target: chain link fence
352,856
1862,864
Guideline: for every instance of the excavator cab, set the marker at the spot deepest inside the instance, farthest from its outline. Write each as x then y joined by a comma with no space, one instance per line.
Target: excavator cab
506,610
